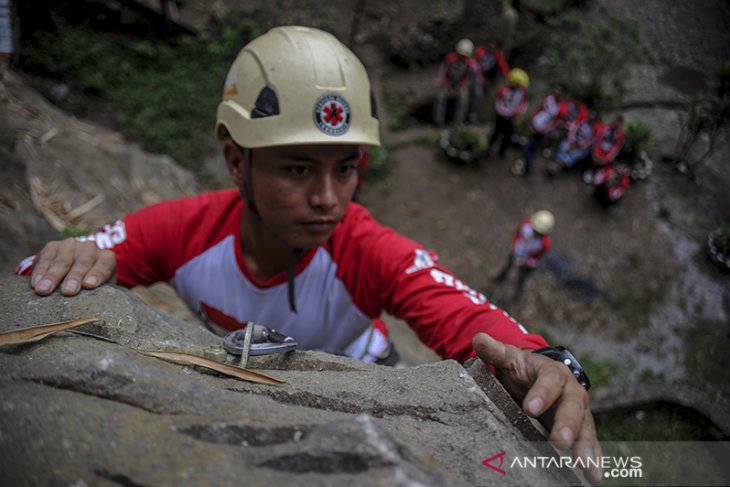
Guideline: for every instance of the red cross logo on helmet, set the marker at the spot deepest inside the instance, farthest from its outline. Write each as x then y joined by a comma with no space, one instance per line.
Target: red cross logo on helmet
332,115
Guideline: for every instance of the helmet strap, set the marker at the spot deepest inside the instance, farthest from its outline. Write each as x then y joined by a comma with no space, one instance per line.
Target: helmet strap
290,274
247,192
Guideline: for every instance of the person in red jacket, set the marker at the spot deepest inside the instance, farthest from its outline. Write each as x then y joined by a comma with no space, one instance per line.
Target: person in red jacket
577,144
530,242
544,120
288,248
610,183
511,103
490,63
572,112
456,75
609,142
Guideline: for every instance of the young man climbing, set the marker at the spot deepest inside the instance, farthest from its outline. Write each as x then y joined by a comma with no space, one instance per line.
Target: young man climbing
289,249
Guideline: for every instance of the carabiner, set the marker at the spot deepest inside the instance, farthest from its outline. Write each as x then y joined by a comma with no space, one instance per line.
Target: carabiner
264,342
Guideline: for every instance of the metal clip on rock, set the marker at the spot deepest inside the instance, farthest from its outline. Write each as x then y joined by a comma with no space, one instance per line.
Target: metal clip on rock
256,340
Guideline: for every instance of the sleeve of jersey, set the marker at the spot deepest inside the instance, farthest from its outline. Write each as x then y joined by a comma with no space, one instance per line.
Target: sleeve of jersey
445,313
153,247
503,66
138,261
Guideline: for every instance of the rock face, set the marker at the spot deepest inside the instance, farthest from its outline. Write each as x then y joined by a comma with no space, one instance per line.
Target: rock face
89,409
75,175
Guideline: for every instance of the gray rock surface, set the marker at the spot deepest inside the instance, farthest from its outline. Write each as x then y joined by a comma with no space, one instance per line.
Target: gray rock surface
89,409
76,175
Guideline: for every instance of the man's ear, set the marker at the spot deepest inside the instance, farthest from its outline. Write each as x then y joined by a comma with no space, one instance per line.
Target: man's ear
234,162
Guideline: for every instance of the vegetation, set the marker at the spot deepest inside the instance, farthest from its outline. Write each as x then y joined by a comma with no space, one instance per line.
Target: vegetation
397,113
164,92
708,114
463,144
721,239
591,54
381,163
638,134
657,421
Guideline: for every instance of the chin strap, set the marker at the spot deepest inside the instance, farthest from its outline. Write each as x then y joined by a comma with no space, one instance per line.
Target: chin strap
290,274
247,194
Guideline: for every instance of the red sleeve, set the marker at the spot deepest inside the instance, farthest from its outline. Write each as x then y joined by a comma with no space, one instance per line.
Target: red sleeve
448,60
152,243
162,237
503,66
518,233
386,271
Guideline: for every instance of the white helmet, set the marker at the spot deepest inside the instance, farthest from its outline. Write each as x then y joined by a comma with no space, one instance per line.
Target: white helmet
465,47
297,85
543,222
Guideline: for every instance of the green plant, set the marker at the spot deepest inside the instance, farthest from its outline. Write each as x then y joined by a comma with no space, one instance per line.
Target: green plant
467,137
381,162
397,113
163,92
638,135
722,239
67,232
591,53
463,144
708,114
718,246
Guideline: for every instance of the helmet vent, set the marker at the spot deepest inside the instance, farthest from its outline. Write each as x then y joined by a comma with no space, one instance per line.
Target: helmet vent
267,103
373,107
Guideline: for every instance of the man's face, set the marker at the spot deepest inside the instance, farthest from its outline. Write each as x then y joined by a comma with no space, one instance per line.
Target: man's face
301,192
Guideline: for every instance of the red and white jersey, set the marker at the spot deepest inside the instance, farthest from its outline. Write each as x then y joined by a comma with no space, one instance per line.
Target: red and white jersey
609,141
511,101
457,71
490,61
611,182
582,135
528,246
341,287
545,118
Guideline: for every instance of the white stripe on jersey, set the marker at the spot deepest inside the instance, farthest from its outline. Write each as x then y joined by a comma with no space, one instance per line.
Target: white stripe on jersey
323,303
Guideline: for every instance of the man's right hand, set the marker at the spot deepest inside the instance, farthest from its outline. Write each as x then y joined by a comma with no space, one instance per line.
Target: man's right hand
73,265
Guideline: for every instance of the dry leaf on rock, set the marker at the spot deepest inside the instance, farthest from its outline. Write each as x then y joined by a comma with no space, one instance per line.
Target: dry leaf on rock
39,332
230,370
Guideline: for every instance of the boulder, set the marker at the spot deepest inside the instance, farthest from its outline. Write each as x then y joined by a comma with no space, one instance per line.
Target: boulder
87,407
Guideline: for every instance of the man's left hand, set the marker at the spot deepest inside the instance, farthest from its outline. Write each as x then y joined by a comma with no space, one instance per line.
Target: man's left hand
548,391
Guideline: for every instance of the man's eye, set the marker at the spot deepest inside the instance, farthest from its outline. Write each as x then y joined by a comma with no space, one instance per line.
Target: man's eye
298,170
346,169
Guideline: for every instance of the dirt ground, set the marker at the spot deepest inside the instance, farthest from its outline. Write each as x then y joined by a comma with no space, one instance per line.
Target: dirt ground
659,301
468,216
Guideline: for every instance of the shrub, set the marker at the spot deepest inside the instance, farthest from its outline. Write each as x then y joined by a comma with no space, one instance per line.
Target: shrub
463,144
591,53
164,92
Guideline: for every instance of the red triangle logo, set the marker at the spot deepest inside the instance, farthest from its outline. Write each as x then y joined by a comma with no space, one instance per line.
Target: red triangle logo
488,462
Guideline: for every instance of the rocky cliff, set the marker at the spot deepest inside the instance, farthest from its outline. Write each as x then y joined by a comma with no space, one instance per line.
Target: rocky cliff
87,407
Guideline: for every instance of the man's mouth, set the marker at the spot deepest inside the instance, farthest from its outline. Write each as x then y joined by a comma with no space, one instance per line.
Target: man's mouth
320,226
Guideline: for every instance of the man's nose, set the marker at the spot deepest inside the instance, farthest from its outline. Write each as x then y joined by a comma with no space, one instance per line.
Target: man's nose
324,194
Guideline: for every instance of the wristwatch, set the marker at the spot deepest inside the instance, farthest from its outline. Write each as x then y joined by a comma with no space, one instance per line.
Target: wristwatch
561,354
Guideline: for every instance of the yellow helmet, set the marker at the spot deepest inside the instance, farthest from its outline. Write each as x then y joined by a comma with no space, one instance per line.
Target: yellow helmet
465,47
543,222
297,85
518,77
